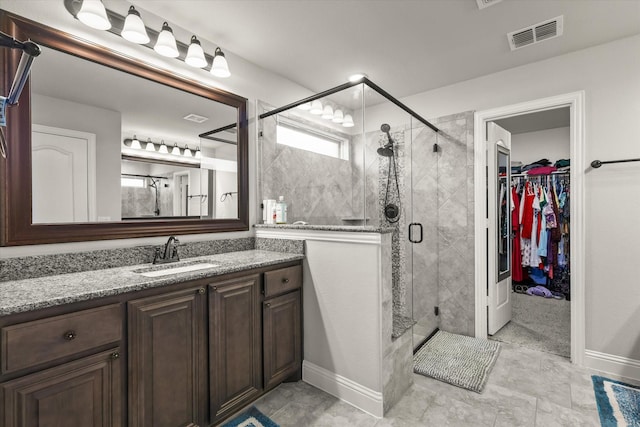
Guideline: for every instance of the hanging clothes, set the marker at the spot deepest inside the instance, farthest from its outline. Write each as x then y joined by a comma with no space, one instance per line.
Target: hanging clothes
516,253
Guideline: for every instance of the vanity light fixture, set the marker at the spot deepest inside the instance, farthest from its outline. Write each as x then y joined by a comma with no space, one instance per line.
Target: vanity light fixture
150,146
220,68
134,29
135,143
338,116
166,43
198,154
348,121
186,152
175,150
195,54
327,112
163,148
93,14
316,107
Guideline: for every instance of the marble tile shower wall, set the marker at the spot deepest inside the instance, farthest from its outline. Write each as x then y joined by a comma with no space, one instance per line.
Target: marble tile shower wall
318,189
138,202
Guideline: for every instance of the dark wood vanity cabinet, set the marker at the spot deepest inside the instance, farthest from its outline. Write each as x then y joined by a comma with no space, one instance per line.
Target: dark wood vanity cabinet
234,344
167,359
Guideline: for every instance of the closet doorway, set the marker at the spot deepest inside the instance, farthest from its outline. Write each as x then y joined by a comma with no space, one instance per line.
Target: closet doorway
532,232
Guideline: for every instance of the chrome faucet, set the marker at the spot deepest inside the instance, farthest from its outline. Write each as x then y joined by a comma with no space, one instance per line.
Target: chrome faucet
170,253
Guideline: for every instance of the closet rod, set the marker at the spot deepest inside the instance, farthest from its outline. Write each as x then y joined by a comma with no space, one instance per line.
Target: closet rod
517,175
597,163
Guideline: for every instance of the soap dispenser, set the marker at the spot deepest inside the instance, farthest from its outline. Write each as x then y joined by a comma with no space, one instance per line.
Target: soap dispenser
281,211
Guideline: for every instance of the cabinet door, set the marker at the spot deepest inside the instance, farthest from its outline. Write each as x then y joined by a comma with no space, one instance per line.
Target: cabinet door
282,338
234,344
86,392
167,364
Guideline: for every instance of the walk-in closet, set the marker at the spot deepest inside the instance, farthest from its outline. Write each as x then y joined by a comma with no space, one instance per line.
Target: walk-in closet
538,187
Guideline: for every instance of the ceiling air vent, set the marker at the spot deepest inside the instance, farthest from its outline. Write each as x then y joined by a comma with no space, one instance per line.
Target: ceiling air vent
536,33
195,118
486,3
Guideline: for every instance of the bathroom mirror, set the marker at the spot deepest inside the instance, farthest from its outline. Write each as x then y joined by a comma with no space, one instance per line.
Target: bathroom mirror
103,146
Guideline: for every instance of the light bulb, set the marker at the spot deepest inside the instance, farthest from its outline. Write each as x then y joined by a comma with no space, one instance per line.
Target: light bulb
134,29
150,146
186,152
220,68
175,150
348,121
338,116
93,14
163,148
195,54
327,112
135,143
166,43
316,107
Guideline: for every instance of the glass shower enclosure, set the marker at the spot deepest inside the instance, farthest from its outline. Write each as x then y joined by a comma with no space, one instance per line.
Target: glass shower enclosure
354,156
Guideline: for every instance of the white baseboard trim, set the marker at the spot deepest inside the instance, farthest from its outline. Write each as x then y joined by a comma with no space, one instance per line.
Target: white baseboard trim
612,364
355,394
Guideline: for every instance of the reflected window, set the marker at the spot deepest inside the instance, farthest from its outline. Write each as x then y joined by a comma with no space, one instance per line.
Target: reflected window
304,138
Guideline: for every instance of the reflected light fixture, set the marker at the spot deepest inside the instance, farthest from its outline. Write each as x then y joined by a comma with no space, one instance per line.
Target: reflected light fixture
220,68
150,145
195,54
134,29
135,143
357,77
163,148
306,106
198,155
348,121
327,112
166,43
186,152
338,116
93,14
316,107
175,150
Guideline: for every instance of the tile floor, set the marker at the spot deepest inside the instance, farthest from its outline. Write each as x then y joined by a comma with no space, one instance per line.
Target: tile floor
525,388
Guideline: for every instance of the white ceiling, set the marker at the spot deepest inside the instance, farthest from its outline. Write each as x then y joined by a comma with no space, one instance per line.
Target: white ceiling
405,46
534,122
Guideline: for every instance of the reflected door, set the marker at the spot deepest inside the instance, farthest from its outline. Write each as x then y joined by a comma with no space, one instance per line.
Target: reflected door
499,230
63,175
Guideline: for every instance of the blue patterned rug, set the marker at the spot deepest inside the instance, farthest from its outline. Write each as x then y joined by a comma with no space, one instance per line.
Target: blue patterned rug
618,403
251,418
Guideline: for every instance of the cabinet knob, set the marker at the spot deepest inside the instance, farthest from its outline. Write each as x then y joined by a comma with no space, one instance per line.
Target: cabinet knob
285,280
70,335
201,291
115,355
268,304
215,288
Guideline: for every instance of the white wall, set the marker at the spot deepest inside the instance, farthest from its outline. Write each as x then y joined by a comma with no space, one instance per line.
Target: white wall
105,124
248,80
609,75
552,144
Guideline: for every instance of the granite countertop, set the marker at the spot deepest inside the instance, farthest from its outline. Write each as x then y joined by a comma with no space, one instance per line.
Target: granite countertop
18,296
351,228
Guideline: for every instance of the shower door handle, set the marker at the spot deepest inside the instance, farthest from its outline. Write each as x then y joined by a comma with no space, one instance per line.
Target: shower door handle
411,239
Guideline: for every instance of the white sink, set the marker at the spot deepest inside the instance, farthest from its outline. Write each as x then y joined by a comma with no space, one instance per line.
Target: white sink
175,270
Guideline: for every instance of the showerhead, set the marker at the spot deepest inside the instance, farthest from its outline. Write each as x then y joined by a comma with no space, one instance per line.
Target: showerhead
387,149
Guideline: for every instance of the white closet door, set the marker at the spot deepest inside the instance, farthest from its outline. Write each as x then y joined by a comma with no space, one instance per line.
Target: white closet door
63,177
499,227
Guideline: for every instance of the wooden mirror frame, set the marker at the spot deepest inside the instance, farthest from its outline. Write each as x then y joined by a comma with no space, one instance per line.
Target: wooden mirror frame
16,226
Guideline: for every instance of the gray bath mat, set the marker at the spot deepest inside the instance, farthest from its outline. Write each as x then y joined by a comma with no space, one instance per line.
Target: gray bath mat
456,359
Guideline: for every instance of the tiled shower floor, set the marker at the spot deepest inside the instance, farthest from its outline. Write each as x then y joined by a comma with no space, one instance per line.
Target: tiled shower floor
525,388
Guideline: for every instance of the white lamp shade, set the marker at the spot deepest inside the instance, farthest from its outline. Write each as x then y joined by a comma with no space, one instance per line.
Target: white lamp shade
220,68
186,152
316,107
338,116
150,146
348,121
198,154
135,143
93,14
134,29
166,43
175,150
306,106
195,54
163,148
327,112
